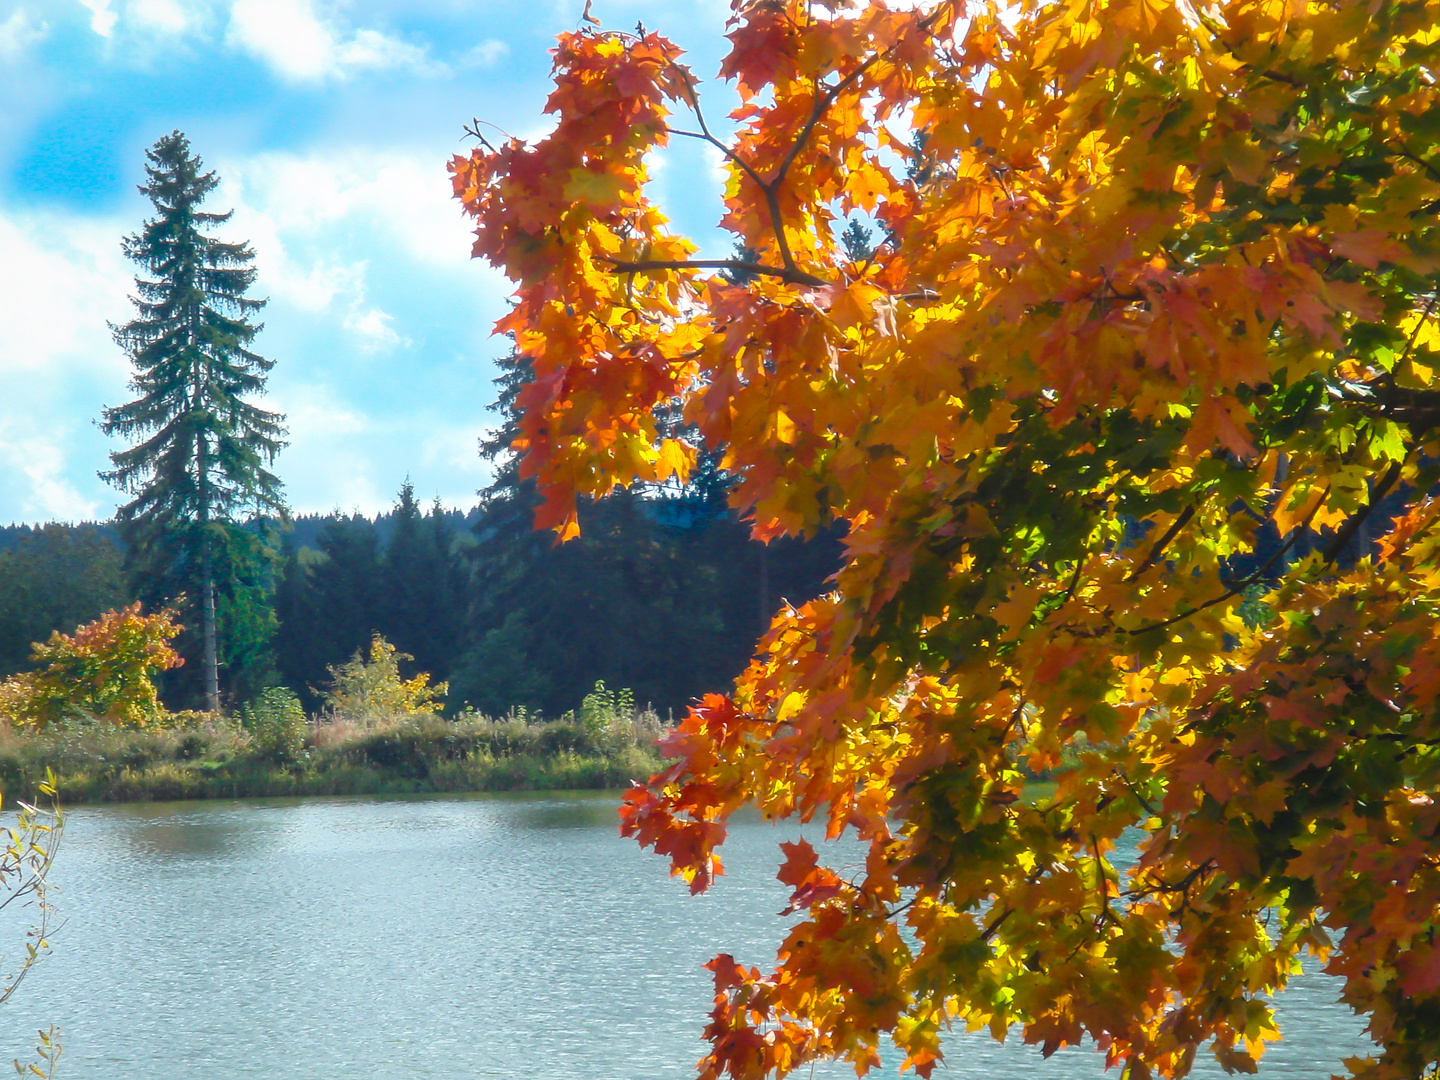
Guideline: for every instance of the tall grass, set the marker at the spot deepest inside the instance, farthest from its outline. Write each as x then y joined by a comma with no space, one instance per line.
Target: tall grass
609,745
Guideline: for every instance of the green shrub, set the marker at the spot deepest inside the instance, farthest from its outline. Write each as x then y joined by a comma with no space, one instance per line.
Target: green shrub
612,724
560,736
277,725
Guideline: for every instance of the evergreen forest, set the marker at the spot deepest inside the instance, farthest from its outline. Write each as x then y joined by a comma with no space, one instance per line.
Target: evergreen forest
663,593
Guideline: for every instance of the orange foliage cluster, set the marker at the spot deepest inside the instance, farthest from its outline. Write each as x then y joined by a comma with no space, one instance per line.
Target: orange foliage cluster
1149,335
103,671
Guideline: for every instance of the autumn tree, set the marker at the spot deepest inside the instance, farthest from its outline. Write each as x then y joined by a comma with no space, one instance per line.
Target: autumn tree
1152,282
199,466
104,671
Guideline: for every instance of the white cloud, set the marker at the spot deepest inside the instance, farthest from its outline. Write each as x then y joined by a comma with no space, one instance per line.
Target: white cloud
48,494
63,278
372,49
302,47
324,431
18,33
485,54
374,328
315,415
167,16
341,239
102,19
456,448
315,220
289,204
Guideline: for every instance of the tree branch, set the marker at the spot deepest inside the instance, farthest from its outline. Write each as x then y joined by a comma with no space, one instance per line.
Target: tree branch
990,930
1406,152
1352,524
1160,545
791,275
1239,586
771,188
824,101
1135,792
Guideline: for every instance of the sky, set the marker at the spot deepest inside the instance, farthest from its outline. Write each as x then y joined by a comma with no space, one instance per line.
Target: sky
330,123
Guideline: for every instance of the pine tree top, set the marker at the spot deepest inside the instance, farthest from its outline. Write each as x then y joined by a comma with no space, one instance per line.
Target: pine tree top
201,449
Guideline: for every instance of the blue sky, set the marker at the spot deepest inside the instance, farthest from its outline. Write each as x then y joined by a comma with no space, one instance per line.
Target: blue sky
330,124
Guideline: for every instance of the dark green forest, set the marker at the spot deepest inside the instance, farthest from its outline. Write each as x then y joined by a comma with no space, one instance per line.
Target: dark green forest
664,593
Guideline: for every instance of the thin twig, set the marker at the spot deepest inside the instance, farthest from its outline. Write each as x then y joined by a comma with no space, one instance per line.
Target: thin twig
1133,791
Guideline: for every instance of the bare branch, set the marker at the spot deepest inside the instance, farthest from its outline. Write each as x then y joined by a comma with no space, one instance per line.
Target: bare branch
704,135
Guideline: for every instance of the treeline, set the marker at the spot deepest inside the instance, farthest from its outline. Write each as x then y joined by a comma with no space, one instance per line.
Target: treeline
663,593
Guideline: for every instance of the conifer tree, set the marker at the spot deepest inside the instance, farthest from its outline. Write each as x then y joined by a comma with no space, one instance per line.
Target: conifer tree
345,585
515,370
198,463
418,593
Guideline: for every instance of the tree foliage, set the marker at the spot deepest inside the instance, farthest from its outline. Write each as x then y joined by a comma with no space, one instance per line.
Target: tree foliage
104,671
199,462
1149,328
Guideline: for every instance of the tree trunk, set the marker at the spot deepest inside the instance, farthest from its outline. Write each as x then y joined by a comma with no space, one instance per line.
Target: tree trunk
211,660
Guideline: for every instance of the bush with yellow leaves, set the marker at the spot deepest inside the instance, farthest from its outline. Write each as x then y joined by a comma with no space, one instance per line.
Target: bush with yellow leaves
368,688
105,671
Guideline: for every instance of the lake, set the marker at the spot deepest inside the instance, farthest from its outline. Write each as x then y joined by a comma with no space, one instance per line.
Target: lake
479,936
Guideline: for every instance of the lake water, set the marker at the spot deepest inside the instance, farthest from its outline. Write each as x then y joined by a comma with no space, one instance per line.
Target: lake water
483,936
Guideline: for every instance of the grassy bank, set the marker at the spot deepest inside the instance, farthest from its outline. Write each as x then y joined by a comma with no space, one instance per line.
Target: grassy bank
220,758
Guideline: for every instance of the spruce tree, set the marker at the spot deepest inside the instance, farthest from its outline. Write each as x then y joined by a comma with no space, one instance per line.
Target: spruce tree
345,585
418,601
198,463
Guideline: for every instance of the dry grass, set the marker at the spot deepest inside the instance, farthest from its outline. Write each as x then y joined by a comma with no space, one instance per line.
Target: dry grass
214,757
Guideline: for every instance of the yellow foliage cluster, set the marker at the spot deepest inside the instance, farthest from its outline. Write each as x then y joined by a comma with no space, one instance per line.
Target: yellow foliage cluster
369,686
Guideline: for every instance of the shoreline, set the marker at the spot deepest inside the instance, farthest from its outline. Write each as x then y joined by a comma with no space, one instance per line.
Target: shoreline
417,756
